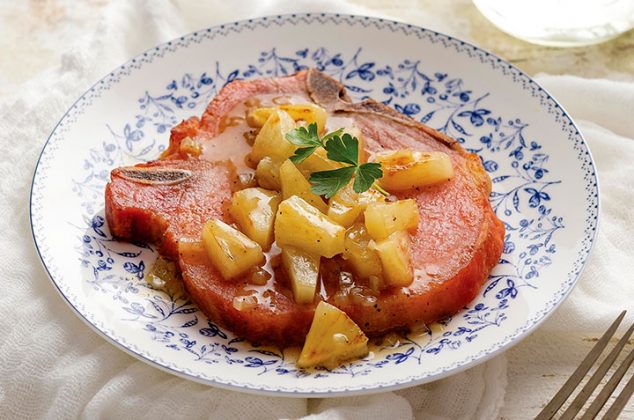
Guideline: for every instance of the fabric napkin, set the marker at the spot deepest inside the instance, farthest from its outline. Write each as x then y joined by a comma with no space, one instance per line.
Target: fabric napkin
541,364
53,366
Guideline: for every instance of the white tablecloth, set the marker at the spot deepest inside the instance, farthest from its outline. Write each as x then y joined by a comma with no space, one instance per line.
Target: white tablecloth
53,366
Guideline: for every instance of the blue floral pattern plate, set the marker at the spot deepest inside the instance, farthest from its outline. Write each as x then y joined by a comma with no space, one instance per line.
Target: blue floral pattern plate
544,190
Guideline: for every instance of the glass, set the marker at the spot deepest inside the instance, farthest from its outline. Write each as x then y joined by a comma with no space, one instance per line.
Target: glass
560,23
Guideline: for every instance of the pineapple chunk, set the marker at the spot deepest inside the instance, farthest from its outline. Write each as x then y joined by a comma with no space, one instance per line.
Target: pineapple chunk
271,140
257,117
396,258
346,206
303,272
294,183
383,219
364,260
333,338
318,161
230,250
268,174
254,211
310,113
344,214
301,225
371,196
407,169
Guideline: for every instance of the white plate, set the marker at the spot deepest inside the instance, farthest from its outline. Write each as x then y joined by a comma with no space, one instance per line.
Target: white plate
544,189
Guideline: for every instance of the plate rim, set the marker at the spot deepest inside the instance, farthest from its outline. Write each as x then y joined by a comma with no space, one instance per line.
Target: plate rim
509,340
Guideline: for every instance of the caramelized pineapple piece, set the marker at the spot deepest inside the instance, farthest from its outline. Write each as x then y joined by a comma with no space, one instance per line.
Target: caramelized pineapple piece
271,140
371,196
301,225
343,214
310,113
383,219
346,206
317,162
258,116
396,258
294,183
254,211
333,338
303,272
267,174
407,169
364,260
230,250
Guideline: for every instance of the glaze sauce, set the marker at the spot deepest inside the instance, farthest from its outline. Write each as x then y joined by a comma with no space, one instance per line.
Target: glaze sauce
336,279
234,143
236,137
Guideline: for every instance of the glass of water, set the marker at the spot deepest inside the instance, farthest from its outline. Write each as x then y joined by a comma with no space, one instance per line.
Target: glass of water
560,23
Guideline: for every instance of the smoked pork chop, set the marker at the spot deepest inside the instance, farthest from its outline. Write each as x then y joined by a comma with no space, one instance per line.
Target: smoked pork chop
164,200
458,241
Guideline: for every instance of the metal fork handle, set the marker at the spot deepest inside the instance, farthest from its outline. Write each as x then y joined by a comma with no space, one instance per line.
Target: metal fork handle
579,401
609,388
618,404
571,384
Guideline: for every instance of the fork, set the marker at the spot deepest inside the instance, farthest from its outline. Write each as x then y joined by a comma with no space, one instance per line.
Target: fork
571,384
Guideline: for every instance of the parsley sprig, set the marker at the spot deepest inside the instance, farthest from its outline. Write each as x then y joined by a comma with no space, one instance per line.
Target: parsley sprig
340,147
308,140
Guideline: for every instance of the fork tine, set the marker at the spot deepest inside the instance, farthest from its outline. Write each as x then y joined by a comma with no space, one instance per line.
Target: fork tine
572,382
579,401
608,389
618,404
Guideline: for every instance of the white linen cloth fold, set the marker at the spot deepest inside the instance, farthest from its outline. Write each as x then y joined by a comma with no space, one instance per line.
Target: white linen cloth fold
540,365
54,366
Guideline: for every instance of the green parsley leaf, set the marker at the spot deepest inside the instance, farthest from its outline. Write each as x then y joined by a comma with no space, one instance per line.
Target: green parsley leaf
329,182
343,149
301,154
336,133
303,137
309,140
340,147
366,175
